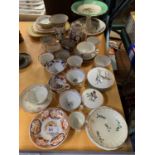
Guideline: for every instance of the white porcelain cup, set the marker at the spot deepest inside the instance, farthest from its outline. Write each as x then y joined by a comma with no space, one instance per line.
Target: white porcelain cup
86,49
75,61
77,120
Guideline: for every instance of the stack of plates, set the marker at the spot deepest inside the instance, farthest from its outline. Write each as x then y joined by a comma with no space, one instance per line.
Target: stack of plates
31,9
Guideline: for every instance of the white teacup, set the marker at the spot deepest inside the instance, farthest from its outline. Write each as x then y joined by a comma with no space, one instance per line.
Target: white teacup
75,61
86,49
77,120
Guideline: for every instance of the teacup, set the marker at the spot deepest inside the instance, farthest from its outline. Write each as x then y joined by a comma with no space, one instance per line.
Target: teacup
75,61
44,21
87,50
77,120
58,83
75,76
44,58
55,66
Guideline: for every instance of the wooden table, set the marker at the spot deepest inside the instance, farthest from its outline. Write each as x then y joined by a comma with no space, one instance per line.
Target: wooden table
35,73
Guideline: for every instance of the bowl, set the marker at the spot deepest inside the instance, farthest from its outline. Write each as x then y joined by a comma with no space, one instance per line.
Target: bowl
93,40
86,50
70,100
100,78
55,66
76,120
44,21
59,19
102,61
36,98
75,61
44,58
62,54
106,128
58,83
75,76
92,98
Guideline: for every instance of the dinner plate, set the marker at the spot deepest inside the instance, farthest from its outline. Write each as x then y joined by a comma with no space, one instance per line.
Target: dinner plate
92,98
106,128
49,128
100,78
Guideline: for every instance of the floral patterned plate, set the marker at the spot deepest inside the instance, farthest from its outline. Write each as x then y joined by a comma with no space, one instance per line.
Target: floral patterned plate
92,98
106,128
100,78
49,128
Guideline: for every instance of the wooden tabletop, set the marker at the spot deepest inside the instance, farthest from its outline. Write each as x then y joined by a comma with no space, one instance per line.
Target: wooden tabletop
36,74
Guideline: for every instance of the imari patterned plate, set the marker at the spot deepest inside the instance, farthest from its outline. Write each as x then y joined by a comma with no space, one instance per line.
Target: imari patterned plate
49,129
106,128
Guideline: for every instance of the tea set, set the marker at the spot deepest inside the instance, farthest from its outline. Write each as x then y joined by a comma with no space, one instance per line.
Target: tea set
63,56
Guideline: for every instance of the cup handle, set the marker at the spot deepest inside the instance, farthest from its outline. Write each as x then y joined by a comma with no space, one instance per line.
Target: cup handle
67,86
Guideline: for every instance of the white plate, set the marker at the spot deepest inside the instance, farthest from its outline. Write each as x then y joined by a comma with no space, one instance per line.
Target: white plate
100,78
106,128
36,98
92,98
70,100
102,61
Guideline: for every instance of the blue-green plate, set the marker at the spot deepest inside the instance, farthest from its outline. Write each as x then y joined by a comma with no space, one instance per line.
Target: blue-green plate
89,11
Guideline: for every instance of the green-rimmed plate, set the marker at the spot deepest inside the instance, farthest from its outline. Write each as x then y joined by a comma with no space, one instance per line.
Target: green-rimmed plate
89,8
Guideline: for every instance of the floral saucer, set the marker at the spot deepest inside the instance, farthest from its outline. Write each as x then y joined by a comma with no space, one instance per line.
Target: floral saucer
92,98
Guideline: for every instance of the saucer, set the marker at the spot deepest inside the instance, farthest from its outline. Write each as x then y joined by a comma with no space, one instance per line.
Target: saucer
70,100
92,98
36,98
100,78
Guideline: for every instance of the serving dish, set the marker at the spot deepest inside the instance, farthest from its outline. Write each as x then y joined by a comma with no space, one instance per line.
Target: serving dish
36,98
100,78
70,100
49,128
92,98
106,128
